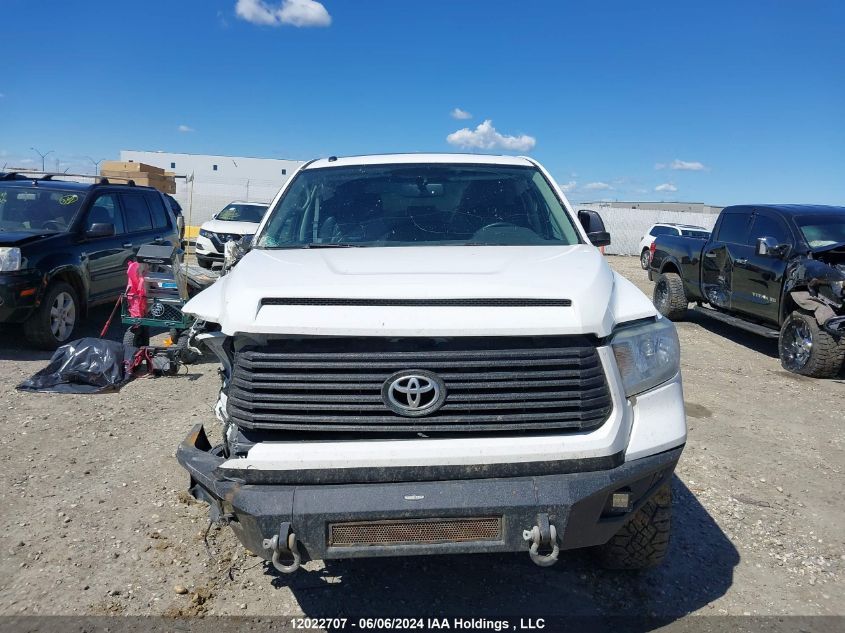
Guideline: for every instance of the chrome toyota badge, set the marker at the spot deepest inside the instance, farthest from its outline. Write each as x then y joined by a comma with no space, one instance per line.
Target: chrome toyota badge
414,393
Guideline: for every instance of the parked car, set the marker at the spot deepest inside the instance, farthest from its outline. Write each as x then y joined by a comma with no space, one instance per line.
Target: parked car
665,228
232,223
64,247
426,354
776,270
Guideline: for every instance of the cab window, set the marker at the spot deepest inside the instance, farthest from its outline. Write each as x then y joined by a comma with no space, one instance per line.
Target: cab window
733,228
105,210
137,213
767,226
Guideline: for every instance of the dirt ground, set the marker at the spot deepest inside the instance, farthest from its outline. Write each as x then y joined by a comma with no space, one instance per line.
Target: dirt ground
95,518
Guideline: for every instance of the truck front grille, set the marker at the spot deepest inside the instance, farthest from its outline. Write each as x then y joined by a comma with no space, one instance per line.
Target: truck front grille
415,531
492,384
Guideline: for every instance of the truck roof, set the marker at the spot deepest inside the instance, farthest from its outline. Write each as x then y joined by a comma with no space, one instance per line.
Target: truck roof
792,209
420,158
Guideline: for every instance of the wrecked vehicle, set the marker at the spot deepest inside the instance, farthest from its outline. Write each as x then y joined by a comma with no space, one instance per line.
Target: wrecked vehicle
427,354
775,270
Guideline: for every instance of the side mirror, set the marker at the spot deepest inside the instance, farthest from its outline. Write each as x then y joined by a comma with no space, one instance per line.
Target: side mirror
100,229
769,247
594,227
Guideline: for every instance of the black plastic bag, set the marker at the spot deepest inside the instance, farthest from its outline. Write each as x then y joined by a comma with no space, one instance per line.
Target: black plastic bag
87,365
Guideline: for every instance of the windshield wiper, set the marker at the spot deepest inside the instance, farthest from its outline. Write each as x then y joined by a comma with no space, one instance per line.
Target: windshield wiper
331,245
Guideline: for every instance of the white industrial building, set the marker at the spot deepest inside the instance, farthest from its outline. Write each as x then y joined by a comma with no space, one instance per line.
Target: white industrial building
206,183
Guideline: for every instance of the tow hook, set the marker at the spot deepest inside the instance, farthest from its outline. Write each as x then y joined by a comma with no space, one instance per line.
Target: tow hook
284,544
542,535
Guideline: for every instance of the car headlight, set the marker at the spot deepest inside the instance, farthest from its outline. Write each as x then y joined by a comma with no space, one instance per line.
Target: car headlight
647,354
838,288
205,233
10,259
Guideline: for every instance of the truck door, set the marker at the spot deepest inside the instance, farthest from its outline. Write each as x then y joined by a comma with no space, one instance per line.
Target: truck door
105,257
758,279
717,261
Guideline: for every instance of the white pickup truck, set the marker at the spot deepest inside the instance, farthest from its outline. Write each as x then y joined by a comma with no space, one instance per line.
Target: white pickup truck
427,354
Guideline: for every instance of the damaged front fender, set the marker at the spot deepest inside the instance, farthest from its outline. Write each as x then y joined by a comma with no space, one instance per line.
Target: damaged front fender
816,283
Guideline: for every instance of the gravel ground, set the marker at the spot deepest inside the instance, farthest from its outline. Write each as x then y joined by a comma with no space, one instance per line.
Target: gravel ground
95,519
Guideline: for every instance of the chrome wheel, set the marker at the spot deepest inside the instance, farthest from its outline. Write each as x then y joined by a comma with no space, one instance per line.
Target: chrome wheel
661,295
62,316
797,344
645,259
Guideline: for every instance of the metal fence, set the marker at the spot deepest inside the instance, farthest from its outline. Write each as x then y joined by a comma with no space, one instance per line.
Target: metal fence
628,226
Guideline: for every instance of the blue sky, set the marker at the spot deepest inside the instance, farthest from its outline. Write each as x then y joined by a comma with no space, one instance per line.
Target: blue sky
720,102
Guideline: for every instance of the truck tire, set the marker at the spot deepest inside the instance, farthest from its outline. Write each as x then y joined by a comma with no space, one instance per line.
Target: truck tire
645,258
669,296
55,319
136,336
643,541
805,348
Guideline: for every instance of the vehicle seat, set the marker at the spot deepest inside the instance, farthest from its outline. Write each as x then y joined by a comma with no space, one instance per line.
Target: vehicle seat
357,218
486,202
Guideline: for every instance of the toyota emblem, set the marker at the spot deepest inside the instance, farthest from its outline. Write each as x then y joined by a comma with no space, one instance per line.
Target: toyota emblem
414,393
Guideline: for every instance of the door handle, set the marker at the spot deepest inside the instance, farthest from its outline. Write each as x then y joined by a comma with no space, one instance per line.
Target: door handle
128,245
741,262
158,240
710,255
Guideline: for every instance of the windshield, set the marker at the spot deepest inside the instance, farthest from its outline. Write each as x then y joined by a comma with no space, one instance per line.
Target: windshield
418,205
37,209
243,213
822,230
692,233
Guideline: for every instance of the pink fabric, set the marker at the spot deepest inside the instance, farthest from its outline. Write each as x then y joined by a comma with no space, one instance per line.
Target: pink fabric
136,293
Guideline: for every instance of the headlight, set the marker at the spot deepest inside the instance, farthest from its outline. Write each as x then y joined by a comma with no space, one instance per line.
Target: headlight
205,233
10,259
647,354
838,288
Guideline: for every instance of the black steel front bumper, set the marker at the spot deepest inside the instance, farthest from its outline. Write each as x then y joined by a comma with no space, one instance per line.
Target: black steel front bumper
576,503
20,292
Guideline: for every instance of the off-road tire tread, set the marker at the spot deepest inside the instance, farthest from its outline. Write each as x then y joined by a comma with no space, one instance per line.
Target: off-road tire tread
643,541
678,302
828,353
36,329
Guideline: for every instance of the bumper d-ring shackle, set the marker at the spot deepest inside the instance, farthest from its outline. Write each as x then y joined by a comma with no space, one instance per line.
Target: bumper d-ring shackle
542,535
283,544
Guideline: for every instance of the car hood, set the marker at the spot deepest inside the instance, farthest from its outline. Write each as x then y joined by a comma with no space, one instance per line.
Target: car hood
226,226
300,283
19,238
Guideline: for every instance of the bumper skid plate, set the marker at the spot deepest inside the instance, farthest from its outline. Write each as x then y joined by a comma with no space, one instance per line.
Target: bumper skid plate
425,517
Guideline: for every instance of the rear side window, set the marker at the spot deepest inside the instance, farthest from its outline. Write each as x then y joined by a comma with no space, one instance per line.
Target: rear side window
159,212
137,213
105,210
659,230
733,228
767,226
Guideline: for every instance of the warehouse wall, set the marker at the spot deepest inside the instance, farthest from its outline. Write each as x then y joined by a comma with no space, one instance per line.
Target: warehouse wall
628,226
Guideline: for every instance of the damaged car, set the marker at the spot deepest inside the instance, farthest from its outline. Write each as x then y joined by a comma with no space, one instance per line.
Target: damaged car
775,270
427,354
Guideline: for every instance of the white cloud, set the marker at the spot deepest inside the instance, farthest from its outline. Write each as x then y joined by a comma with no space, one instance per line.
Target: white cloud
485,136
568,187
185,128
666,186
682,165
300,13
457,113
597,186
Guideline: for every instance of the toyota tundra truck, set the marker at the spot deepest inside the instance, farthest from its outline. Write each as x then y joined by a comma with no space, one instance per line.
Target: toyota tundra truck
427,354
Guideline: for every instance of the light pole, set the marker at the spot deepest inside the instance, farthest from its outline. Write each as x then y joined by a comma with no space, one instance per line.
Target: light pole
43,156
96,164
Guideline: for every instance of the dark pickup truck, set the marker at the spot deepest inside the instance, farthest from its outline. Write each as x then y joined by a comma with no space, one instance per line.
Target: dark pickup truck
776,270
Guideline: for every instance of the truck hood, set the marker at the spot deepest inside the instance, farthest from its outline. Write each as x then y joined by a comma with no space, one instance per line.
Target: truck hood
18,238
309,292
227,226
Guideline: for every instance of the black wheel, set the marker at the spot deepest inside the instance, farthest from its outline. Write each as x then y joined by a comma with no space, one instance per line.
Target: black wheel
669,296
644,539
55,319
204,262
645,258
806,349
137,336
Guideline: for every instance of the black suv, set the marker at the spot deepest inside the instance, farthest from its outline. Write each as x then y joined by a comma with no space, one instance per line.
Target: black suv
64,247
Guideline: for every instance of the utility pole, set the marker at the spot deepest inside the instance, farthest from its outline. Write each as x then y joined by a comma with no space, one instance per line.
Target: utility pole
43,156
96,164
